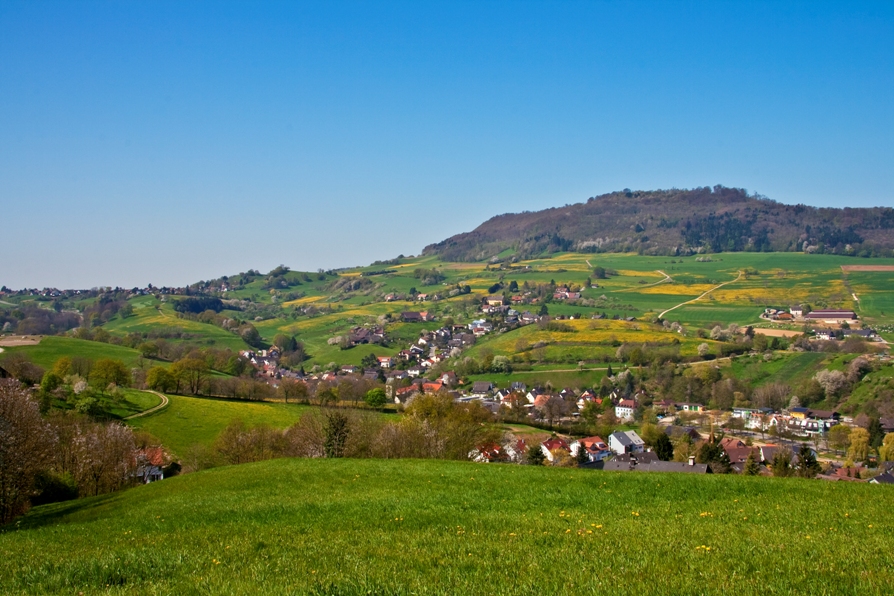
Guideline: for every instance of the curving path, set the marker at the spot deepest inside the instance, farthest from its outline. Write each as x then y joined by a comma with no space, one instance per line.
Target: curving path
666,279
717,287
163,404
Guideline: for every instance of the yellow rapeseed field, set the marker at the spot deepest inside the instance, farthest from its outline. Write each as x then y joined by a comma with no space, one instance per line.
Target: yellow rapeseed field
305,300
678,289
632,273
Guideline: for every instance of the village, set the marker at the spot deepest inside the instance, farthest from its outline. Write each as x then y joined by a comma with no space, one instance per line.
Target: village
755,437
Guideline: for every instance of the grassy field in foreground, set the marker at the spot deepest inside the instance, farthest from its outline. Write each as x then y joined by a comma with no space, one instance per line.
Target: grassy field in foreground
189,421
425,527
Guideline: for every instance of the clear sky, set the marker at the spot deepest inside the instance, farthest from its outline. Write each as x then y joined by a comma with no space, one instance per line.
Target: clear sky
167,142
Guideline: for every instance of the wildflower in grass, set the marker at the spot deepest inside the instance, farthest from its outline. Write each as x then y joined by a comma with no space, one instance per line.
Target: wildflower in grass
634,513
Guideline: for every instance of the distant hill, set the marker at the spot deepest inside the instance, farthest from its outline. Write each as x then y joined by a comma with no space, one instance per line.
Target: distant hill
676,222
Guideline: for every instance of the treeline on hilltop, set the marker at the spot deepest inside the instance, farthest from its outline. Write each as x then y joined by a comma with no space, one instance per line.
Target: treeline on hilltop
716,219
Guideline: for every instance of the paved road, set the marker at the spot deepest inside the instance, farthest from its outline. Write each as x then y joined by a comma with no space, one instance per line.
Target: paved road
164,403
661,316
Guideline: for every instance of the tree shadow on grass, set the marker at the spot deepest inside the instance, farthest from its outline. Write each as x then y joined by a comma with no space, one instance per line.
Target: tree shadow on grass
79,510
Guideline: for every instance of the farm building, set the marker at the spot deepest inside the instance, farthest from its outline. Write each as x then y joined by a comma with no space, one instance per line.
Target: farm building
831,315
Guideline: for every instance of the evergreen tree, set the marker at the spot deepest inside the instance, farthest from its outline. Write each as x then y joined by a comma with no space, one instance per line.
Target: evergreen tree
807,464
536,456
714,455
582,456
752,468
876,434
664,449
782,463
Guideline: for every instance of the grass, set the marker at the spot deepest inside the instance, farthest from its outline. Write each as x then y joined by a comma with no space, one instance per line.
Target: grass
150,314
51,348
188,421
784,368
426,527
134,402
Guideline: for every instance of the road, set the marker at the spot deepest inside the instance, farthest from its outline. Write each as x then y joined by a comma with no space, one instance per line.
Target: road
163,404
717,287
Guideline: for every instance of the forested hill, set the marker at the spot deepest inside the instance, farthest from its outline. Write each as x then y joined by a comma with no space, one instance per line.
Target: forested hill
670,222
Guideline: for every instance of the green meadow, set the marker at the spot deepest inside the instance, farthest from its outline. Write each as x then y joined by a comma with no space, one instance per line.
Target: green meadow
188,421
149,314
133,402
429,527
53,347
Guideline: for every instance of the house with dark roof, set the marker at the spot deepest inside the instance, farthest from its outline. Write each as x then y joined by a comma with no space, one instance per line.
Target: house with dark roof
625,442
639,463
482,388
884,478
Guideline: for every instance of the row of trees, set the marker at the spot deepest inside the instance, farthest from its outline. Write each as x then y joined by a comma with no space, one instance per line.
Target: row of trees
433,426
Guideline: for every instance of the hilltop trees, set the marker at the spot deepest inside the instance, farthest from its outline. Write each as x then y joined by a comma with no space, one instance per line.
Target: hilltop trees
107,371
191,372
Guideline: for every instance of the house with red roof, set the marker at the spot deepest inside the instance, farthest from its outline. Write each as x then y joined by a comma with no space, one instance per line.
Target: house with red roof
554,445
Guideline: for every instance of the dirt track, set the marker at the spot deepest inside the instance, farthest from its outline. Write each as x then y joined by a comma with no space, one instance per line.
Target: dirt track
163,404
13,341
888,268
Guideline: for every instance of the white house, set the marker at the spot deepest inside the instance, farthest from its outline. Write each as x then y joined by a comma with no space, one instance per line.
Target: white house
625,442
625,409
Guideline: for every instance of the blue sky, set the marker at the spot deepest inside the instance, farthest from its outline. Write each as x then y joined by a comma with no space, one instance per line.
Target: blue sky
167,142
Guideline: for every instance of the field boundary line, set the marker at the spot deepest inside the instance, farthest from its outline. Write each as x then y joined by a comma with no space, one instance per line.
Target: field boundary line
164,403
738,277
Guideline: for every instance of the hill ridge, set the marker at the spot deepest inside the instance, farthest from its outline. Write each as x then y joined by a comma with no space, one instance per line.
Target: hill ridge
676,222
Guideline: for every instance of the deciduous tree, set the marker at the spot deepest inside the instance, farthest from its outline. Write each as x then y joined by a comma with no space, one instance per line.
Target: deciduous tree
26,447
108,371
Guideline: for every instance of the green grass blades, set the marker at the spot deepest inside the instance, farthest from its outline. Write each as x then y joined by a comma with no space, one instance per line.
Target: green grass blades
426,527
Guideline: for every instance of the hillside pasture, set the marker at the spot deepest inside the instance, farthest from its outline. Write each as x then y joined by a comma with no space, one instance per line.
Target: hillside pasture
410,527
189,421
53,347
709,312
153,315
